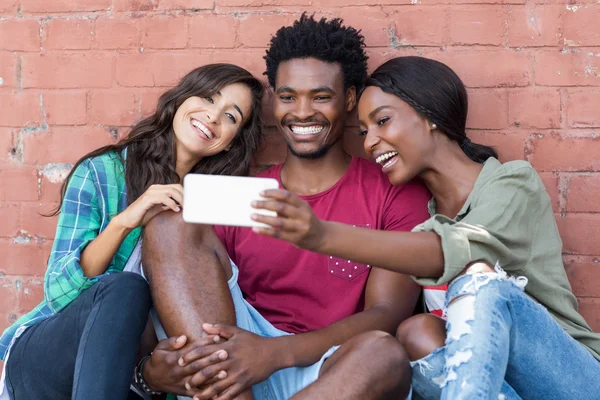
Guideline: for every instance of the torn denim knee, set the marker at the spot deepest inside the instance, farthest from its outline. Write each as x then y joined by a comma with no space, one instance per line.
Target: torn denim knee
461,313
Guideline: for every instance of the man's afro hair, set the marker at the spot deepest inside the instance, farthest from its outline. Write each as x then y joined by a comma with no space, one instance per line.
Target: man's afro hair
325,40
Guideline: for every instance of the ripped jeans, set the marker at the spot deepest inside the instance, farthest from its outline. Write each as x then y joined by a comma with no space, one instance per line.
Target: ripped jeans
503,345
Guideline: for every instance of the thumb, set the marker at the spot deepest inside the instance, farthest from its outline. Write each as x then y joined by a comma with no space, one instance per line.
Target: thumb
225,331
172,343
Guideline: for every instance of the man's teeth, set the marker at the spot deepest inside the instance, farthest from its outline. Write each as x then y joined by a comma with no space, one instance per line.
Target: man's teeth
384,157
306,130
204,130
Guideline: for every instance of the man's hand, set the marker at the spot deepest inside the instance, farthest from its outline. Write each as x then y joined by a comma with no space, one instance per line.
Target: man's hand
163,371
251,359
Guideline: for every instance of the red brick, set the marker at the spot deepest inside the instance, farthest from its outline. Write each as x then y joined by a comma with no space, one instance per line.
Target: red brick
250,59
33,223
50,147
9,7
256,30
8,69
18,184
52,6
212,31
583,109
567,68
510,146
9,215
372,22
164,32
31,293
6,144
20,35
23,258
535,25
186,5
50,191
551,183
590,310
21,108
157,69
584,192
580,25
580,233
65,107
75,70
583,275
490,68
556,153
149,100
8,294
68,34
418,26
134,5
115,107
487,109
534,108
477,25
454,2
259,3
117,33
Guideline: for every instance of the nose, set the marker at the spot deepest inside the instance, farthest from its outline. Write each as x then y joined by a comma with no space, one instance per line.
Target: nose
304,109
212,115
371,141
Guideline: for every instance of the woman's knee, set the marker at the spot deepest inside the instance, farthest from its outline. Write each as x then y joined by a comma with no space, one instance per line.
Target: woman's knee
421,334
126,288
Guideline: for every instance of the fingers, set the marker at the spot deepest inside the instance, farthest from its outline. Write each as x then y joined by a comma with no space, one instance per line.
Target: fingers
226,331
198,365
282,195
281,208
227,388
172,343
205,374
280,224
199,352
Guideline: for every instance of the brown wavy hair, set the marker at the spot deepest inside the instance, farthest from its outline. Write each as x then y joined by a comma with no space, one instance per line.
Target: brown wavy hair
150,146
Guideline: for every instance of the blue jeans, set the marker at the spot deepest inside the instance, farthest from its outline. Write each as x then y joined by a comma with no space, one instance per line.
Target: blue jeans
88,349
503,345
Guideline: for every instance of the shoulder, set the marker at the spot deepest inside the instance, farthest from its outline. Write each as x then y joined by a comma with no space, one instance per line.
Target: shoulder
516,173
102,169
270,172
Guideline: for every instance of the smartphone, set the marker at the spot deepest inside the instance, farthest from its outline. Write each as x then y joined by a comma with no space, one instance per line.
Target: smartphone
223,200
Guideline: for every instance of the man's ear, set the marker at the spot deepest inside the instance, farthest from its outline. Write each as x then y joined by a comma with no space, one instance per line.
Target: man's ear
350,99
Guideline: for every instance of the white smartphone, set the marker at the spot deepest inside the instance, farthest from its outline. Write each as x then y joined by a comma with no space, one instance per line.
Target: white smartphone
223,200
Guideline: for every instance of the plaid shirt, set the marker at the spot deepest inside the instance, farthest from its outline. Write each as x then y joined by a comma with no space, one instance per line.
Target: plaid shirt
96,192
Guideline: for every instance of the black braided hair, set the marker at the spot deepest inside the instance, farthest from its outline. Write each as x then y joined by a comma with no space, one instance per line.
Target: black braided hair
325,40
434,91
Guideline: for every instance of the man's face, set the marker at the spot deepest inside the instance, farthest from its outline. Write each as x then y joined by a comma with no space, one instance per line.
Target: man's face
311,105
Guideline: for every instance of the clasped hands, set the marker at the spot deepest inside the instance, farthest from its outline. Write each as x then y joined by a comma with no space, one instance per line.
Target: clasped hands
221,365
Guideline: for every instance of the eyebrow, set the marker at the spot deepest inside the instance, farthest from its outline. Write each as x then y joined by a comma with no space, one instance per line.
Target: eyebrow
234,105
320,89
375,111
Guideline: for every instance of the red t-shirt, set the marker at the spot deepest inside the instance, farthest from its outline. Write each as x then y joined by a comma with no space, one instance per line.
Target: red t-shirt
299,291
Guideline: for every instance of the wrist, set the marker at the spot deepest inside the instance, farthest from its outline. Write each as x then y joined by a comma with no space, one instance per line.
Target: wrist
118,227
322,244
284,352
143,377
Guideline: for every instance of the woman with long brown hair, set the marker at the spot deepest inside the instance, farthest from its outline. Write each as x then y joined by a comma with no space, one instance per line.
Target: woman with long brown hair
81,341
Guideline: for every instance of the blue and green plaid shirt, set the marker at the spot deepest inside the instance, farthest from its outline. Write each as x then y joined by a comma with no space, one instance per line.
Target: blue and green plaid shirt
96,192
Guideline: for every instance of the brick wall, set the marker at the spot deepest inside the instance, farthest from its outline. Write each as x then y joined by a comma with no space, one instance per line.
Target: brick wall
75,74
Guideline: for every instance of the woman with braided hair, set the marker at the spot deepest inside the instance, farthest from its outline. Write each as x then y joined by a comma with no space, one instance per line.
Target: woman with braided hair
513,329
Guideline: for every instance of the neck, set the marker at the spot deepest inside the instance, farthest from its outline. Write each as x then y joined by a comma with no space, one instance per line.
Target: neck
185,163
307,177
451,178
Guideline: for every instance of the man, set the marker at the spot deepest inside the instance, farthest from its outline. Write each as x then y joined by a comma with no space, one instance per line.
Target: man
316,69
